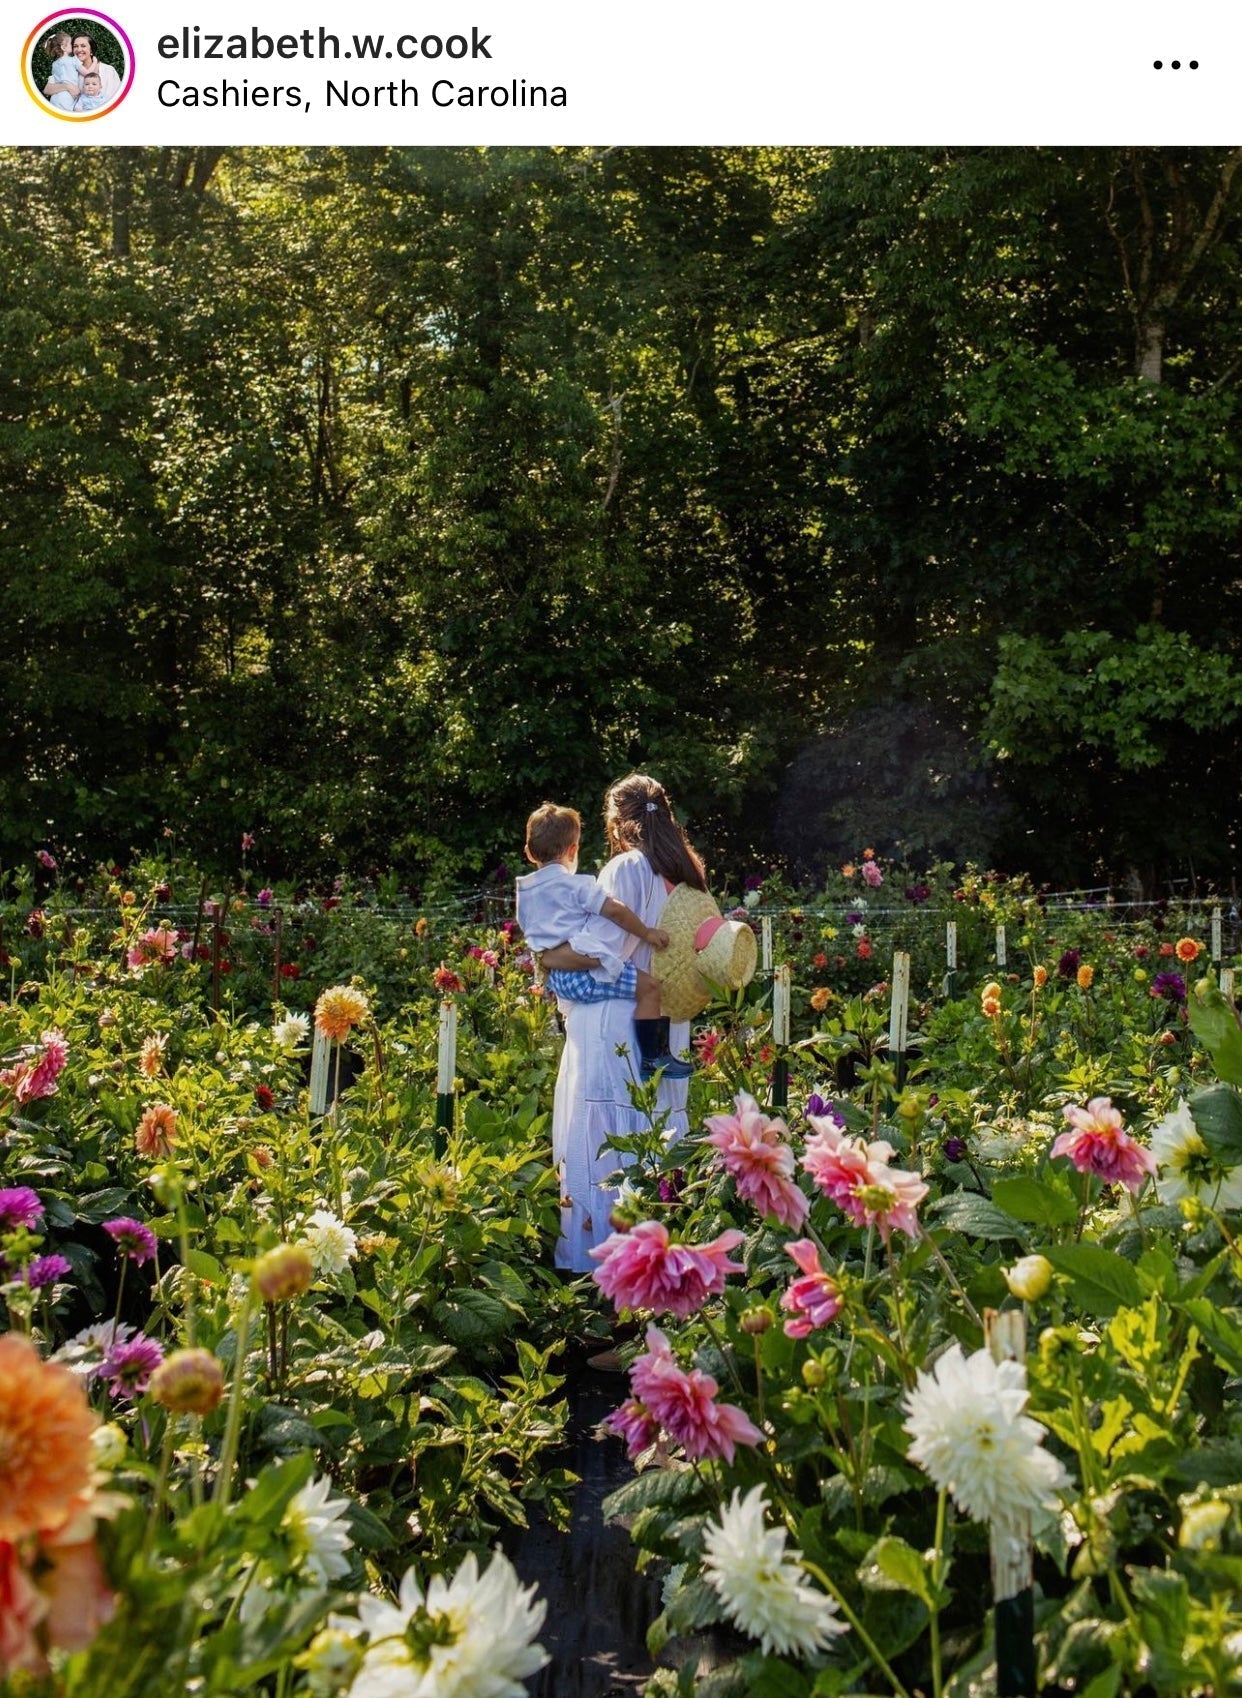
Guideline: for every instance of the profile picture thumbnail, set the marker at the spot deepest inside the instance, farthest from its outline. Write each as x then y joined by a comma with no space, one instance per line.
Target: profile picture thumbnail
78,64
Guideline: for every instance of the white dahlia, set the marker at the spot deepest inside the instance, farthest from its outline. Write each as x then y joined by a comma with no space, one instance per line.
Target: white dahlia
291,1032
331,1243
971,1436
469,1637
760,1584
1188,1168
312,1527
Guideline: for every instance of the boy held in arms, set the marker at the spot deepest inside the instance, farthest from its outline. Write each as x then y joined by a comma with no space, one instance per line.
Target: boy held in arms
554,904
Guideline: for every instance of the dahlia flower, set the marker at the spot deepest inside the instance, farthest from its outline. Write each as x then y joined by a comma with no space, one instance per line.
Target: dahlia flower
1187,1168
45,1441
338,1011
132,1238
752,1150
971,1437
857,1177
760,1584
128,1367
20,1207
1100,1144
157,1131
35,1073
189,1382
468,1637
813,1300
292,1031
684,1403
331,1243
641,1269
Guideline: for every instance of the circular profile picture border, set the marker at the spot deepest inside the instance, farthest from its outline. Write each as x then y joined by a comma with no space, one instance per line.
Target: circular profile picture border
46,24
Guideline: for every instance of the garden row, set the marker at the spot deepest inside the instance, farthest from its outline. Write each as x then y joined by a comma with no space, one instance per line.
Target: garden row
287,1364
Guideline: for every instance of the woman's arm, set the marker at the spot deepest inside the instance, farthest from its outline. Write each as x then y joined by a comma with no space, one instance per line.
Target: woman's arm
566,960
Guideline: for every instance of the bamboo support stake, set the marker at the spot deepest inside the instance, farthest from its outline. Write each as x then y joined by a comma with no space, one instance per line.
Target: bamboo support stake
765,943
1216,949
781,993
950,945
276,951
899,1012
1013,1598
1002,952
446,1071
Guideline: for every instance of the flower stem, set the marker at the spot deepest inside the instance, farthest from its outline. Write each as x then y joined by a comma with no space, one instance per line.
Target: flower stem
869,1644
161,1486
724,1350
937,1577
232,1430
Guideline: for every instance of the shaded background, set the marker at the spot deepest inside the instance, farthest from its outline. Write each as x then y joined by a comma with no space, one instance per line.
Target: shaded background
364,498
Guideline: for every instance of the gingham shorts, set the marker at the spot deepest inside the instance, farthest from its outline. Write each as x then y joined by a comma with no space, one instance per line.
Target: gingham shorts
582,987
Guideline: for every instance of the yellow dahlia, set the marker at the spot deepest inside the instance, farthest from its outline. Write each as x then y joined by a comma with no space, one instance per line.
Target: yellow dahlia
338,1011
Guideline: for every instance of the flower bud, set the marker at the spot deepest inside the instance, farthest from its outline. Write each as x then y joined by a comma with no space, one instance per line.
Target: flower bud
1029,1278
757,1320
331,1661
283,1273
1202,1525
108,1445
990,989
814,1374
189,1382
909,1108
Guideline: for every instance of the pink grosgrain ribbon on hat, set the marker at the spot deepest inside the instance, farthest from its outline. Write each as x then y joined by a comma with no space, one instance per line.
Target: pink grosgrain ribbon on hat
707,931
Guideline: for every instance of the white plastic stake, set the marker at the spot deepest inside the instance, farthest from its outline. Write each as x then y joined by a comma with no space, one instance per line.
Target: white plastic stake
1002,956
1226,982
950,945
765,943
900,1011
321,1051
1216,951
446,1062
780,1004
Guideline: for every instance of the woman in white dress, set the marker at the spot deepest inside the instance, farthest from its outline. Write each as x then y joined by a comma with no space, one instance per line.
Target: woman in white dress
650,854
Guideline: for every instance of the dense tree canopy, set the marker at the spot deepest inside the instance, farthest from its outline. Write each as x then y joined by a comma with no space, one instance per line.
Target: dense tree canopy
364,498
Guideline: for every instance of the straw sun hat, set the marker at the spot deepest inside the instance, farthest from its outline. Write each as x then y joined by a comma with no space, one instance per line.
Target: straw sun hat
704,950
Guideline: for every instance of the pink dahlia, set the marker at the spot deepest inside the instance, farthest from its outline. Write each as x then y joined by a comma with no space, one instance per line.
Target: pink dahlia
636,1425
641,1269
1100,1144
36,1073
813,1300
684,1403
128,1367
753,1151
858,1178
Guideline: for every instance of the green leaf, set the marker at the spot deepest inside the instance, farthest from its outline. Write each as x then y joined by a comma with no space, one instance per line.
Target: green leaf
266,1500
1217,1113
676,1486
1215,1025
977,1217
1105,1684
1222,1336
891,1565
1034,1200
1101,1282
205,1267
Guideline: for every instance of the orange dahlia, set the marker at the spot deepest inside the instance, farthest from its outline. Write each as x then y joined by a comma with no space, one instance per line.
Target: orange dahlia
1040,977
1188,950
157,1131
1085,975
338,1011
45,1441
